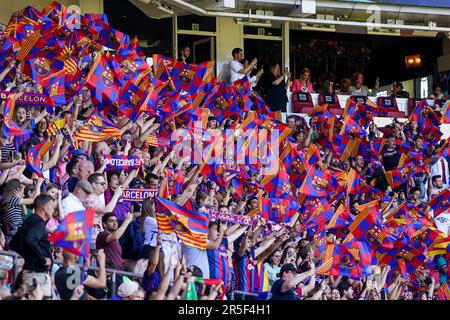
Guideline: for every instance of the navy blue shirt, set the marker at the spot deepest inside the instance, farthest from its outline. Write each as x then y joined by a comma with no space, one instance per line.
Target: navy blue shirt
278,295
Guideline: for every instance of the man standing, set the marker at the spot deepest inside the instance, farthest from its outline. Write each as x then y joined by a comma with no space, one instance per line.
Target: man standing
74,201
237,70
108,240
185,52
33,245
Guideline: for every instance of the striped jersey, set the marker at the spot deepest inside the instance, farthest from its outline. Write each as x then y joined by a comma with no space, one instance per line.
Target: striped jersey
218,262
245,268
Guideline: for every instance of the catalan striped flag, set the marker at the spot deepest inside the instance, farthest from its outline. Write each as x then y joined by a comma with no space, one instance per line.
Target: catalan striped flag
190,227
443,292
54,127
156,141
31,46
34,155
97,128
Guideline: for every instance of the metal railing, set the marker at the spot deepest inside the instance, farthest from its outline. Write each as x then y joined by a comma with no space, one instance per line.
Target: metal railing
243,294
113,272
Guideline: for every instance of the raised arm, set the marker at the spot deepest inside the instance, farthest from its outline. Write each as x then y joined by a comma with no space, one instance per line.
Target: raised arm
153,262
237,233
100,281
287,285
120,231
213,245
164,285
264,246
55,156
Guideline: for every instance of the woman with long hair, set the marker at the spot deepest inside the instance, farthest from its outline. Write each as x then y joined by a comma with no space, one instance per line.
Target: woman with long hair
26,121
149,226
272,266
55,193
11,206
303,84
277,85
40,131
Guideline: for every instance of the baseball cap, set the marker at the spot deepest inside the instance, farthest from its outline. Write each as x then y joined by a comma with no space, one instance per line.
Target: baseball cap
127,288
286,268
85,186
79,152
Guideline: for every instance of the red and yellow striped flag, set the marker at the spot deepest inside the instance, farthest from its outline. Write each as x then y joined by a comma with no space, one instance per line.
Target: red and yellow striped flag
96,129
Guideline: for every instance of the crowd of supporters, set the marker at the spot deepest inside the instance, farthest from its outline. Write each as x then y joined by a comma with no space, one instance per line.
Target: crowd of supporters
342,210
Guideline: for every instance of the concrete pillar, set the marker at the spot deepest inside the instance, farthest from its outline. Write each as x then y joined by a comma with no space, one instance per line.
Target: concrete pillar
229,36
285,52
174,37
286,44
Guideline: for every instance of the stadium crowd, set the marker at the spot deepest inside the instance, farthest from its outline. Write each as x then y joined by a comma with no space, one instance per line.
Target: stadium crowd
342,210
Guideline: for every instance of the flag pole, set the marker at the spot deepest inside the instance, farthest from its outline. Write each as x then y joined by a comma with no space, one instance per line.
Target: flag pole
83,270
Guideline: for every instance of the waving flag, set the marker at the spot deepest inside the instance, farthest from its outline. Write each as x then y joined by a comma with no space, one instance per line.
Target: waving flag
97,128
34,155
54,87
367,227
131,100
440,203
189,77
278,210
398,176
315,184
190,227
55,126
351,259
74,232
132,65
315,222
105,78
351,127
175,181
404,257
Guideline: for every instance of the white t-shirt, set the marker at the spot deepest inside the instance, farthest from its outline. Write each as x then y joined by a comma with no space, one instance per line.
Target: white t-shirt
150,231
235,67
71,204
436,169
